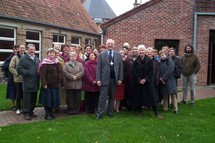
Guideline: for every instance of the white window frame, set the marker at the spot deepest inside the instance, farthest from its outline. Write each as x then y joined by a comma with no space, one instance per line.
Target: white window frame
79,41
89,41
35,41
64,38
8,39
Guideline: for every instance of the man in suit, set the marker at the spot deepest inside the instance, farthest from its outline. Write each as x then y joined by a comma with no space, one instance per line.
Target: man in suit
28,68
109,74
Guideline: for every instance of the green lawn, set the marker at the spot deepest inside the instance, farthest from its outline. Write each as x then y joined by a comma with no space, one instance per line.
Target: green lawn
4,103
192,125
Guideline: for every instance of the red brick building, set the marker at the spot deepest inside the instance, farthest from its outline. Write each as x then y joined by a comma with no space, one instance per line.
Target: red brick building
173,23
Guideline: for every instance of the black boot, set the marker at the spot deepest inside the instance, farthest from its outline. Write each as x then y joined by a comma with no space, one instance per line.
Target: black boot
51,113
48,116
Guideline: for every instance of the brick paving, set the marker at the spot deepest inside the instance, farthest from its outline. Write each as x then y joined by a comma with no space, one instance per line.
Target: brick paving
9,117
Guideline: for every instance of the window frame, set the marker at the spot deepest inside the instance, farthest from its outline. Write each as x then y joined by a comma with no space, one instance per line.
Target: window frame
7,39
79,41
35,41
64,38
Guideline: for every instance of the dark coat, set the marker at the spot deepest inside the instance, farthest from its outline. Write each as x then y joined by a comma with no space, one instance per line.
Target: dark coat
167,67
5,68
11,89
156,72
51,75
144,93
28,68
90,76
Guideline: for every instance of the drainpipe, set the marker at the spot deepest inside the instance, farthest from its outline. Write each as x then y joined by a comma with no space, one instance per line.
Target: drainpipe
102,35
195,30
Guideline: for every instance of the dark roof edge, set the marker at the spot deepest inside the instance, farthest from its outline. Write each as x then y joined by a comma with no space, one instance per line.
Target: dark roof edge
126,14
47,24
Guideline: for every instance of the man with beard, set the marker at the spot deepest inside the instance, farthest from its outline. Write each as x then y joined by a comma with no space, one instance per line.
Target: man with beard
190,67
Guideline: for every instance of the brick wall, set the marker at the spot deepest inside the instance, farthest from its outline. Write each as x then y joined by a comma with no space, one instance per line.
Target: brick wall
205,24
167,19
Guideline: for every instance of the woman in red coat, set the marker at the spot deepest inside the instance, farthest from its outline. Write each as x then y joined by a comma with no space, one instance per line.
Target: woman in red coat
89,84
120,90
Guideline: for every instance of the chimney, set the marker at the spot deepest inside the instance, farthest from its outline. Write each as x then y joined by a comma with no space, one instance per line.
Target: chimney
136,4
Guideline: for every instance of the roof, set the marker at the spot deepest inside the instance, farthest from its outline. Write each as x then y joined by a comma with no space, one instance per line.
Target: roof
68,14
99,9
129,13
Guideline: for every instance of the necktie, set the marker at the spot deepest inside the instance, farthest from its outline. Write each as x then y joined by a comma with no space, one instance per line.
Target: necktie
110,55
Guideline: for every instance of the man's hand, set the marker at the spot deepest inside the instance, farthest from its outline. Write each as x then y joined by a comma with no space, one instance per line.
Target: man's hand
119,82
99,83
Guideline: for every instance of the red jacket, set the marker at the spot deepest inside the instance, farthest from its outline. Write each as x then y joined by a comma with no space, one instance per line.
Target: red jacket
90,76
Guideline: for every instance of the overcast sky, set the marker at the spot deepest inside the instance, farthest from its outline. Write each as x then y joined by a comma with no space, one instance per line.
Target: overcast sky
121,6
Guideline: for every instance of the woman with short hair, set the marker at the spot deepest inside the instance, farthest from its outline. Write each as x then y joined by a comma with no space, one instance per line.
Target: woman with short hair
73,72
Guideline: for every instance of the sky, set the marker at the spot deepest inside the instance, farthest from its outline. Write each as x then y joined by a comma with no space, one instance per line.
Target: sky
122,6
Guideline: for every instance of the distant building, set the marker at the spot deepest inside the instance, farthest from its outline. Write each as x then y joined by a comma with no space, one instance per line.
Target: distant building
175,23
99,10
43,22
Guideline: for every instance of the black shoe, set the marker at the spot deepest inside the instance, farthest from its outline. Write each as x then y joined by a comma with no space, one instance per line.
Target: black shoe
159,116
13,108
27,116
183,102
33,115
110,115
98,117
192,104
176,112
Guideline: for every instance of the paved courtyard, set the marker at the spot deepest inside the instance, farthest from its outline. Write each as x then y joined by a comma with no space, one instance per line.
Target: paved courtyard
10,118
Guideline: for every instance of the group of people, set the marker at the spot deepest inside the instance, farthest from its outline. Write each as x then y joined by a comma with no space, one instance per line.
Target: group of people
111,80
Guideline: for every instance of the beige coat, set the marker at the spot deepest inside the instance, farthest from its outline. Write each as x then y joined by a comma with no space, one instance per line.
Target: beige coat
13,66
69,71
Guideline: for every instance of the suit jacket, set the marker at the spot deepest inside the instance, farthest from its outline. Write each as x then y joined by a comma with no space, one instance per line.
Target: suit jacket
28,68
103,67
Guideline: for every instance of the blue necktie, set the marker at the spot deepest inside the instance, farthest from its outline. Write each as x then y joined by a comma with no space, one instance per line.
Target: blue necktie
110,55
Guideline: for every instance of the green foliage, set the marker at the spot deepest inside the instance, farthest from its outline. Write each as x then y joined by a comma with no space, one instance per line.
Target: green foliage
192,124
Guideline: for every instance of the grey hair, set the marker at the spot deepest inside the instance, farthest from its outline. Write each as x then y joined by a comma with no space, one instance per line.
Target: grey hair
108,40
30,45
72,53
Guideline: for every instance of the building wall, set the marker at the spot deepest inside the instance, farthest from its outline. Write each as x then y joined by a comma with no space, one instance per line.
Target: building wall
204,25
167,19
46,34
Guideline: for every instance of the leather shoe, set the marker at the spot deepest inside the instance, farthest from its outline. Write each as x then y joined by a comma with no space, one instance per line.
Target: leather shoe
159,116
110,115
98,117
33,115
176,112
27,117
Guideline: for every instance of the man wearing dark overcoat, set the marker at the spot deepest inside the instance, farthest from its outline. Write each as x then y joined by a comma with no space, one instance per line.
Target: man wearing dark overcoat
28,68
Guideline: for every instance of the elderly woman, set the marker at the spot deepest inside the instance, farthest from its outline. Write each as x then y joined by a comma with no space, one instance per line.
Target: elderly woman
73,72
89,84
51,79
168,84
143,76
120,89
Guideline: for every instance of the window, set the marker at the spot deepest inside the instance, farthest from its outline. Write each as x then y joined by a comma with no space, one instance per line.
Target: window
87,41
76,41
95,44
34,37
159,43
59,39
7,40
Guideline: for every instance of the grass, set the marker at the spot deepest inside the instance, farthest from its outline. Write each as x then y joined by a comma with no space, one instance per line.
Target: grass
5,104
192,124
